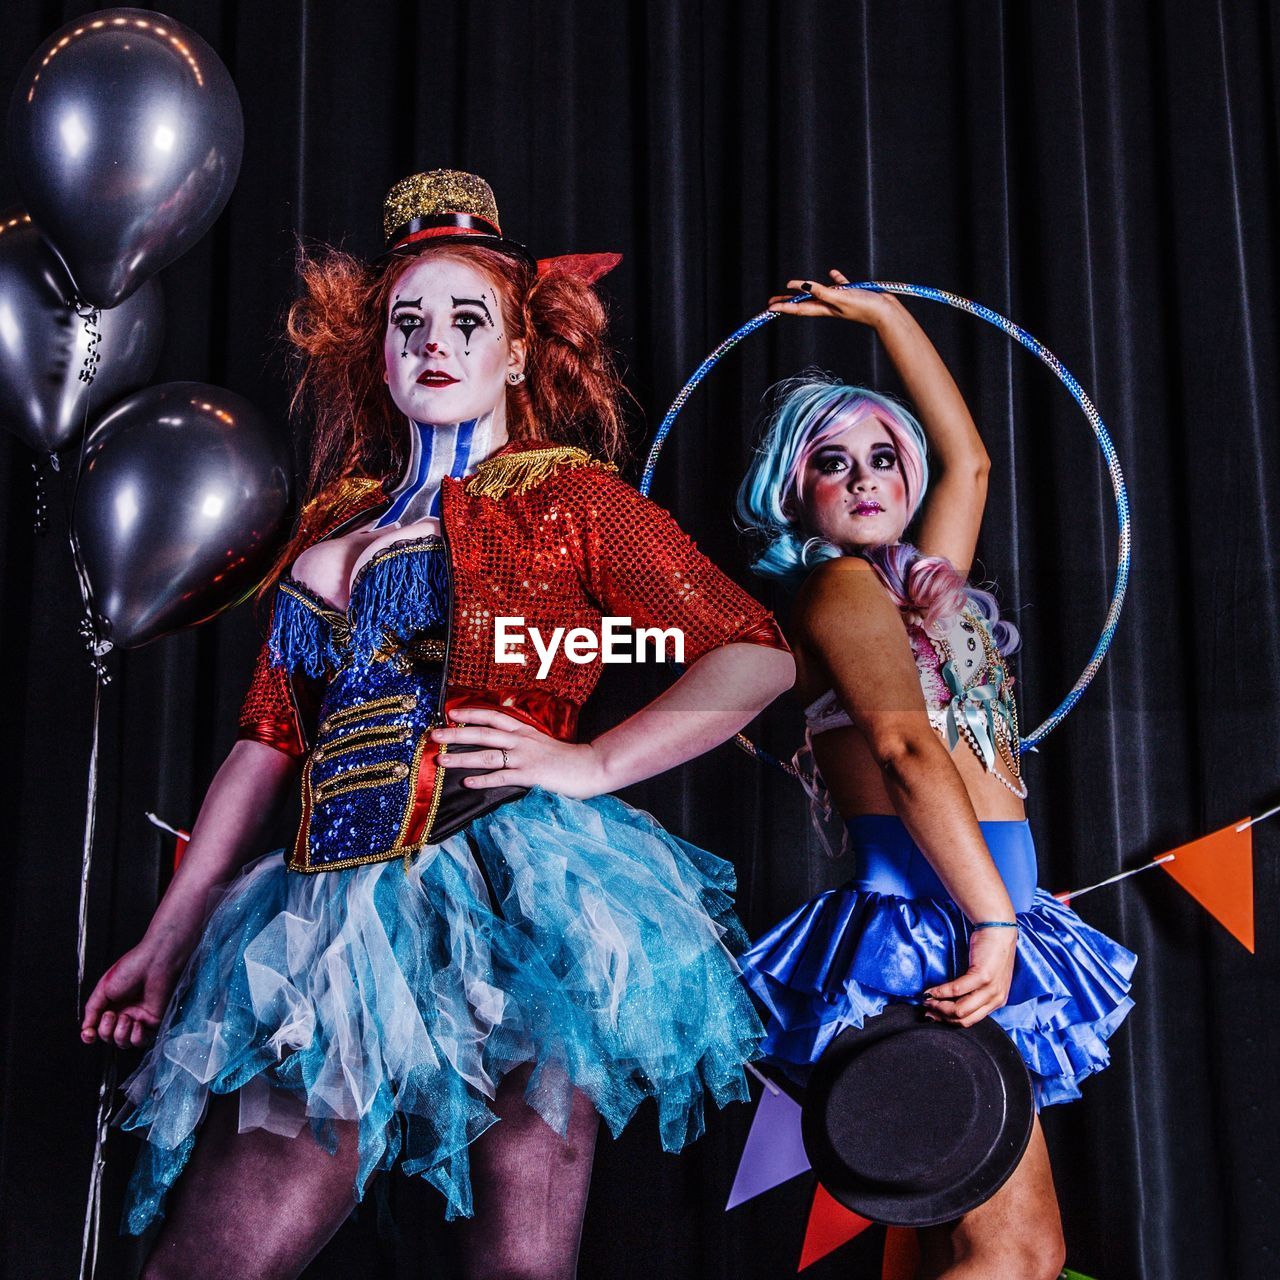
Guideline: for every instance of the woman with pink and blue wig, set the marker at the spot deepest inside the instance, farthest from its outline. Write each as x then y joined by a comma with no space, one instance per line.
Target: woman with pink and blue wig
912,728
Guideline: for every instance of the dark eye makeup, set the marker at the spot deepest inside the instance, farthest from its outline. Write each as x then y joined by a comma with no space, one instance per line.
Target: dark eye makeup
829,461
468,322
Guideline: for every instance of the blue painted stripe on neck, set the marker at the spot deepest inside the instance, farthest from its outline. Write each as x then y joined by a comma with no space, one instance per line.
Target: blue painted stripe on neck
426,438
462,449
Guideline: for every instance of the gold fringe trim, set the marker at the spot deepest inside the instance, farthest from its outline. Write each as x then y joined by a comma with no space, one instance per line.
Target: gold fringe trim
338,502
516,472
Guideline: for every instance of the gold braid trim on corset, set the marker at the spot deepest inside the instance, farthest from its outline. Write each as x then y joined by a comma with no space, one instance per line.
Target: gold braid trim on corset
516,472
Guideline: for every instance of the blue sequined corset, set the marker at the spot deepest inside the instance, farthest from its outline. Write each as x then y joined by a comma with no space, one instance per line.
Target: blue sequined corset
383,659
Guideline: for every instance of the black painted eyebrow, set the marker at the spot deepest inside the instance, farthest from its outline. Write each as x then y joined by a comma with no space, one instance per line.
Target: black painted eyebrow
406,302
474,302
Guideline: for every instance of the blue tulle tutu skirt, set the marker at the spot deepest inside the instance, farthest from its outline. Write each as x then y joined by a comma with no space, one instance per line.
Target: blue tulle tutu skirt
893,931
397,997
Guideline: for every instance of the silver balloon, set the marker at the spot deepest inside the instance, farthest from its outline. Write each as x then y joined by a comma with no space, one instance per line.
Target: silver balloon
55,363
125,133
183,500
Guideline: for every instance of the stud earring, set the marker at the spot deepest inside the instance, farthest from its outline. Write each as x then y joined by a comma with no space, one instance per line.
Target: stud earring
515,378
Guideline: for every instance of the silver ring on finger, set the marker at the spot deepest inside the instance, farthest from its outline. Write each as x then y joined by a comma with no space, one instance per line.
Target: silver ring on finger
506,763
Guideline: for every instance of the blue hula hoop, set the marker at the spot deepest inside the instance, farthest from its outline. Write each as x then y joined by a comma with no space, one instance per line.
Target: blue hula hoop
1060,371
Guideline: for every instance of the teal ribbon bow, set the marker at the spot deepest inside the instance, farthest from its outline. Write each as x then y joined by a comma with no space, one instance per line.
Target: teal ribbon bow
977,707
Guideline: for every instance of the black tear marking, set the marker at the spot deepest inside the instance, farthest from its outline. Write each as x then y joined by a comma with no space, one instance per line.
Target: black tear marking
406,324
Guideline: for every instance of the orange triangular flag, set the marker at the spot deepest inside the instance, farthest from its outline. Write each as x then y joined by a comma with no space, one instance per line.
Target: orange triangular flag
1217,871
830,1226
901,1254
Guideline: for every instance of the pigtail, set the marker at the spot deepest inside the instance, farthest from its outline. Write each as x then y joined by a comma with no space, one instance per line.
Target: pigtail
340,403
934,589
573,392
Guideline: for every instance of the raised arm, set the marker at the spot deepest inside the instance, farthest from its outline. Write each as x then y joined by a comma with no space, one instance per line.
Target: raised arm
958,462
848,625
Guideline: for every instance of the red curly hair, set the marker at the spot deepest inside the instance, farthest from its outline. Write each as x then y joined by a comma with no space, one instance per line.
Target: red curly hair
572,394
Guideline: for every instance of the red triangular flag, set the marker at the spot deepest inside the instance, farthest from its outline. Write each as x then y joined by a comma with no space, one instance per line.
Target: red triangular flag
830,1226
1217,871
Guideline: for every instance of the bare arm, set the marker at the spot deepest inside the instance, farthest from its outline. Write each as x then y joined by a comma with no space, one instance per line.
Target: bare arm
722,691
845,619
130,998
958,461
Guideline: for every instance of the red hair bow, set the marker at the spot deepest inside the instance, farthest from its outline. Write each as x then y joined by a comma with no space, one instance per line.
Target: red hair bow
587,267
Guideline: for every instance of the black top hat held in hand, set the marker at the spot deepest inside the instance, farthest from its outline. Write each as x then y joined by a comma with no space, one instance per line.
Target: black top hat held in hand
914,1123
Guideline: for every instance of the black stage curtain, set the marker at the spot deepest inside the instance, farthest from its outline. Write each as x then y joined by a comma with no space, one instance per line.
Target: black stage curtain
1105,173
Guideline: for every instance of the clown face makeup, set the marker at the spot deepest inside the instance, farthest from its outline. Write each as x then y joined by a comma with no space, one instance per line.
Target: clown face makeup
446,349
448,361
852,490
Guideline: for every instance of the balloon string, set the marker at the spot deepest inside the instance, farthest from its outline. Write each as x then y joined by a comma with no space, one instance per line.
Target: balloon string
86,857
40,525
88,372
98,649
97,645
93,1205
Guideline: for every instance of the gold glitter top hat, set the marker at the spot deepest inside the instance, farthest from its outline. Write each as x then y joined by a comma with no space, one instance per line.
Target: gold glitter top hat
444,204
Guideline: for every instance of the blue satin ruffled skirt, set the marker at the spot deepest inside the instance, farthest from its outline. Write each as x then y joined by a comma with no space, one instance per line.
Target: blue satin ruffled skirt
594,945
893,931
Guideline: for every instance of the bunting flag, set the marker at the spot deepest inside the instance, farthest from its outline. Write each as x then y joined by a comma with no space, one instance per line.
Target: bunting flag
901,1254
1217,871
830,1225
774,1152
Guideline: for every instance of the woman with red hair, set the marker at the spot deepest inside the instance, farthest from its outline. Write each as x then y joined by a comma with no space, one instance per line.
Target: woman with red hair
472,952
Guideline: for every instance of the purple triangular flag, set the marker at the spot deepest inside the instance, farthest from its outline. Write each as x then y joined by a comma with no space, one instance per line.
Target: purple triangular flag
774,1150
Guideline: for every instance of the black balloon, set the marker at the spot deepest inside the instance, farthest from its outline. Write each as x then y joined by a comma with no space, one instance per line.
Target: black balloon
125,133
55,363
183,500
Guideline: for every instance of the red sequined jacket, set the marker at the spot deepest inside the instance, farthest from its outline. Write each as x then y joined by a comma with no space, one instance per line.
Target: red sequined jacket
556,537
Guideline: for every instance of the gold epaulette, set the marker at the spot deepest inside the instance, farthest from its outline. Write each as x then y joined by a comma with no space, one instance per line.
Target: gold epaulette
337,503
516,472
